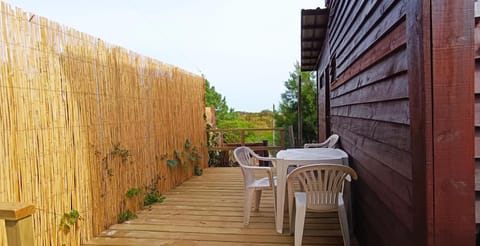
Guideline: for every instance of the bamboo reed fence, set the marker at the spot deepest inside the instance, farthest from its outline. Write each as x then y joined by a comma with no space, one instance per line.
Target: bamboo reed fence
82,122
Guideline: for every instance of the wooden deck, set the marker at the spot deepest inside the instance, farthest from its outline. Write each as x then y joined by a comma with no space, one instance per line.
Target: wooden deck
207,210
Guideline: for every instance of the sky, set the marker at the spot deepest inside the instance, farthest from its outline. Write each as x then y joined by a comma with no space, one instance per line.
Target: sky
245,48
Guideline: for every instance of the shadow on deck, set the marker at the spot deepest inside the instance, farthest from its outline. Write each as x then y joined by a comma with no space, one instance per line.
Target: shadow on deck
207,210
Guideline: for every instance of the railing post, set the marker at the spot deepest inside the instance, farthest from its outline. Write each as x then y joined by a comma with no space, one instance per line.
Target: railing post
18,223
242,137
265,154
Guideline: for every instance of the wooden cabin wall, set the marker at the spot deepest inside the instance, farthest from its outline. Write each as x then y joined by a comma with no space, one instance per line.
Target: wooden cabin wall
370,111
477,114
323,109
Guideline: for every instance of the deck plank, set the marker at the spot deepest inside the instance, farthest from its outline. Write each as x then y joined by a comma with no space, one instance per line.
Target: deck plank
207,210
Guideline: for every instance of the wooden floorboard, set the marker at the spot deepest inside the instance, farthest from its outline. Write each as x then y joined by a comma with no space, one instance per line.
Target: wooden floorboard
207,210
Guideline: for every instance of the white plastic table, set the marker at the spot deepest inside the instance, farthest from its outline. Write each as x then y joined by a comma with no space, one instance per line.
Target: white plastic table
299,157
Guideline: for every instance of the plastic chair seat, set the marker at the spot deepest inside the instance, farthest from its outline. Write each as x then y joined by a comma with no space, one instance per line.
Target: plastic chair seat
263,183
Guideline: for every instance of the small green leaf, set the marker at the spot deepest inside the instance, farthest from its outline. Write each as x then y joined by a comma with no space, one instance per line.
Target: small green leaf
74,214
132,192
187,144
152,197
72,221
198,171
172,163
126,215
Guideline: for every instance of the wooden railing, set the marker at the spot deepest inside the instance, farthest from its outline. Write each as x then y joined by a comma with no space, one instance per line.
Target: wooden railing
221,142
18,223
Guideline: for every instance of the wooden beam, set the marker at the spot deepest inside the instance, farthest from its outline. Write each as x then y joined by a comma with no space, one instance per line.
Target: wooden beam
420,102
440,51
311,49
453,120
313,39
317,11
300,112
18,223
322,27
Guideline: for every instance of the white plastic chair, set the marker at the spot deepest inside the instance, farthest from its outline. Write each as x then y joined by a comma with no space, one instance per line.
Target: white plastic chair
322,191
248,161
330,142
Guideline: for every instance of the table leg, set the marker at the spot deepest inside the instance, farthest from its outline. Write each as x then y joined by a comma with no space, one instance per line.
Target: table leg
281,184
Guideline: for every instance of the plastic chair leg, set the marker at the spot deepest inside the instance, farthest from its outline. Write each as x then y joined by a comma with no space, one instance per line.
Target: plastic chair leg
300,211
274,190
247,205
258,195
291,213
342,216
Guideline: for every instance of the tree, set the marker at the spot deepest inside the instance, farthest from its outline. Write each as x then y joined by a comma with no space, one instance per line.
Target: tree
217,101
287,114
225,116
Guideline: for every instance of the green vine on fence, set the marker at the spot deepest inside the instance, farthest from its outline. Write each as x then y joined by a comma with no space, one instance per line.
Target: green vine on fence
117,151
189,155
152,195
68,220
133,192
126,215
124,154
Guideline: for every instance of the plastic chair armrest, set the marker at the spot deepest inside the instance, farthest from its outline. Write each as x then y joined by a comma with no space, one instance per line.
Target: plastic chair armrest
315,145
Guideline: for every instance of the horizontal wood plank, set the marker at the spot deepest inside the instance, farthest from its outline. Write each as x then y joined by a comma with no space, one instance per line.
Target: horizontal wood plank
396,111
361,20
394,188
392,88
394,40
391,15
394,64
394,135
208,210
379,224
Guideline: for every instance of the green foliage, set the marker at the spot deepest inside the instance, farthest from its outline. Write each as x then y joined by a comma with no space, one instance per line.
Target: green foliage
225,117
152,197
263,119
126,215
109,157
190,155
122,153
288,114
198,171
68,220
133,192
172,163
217,101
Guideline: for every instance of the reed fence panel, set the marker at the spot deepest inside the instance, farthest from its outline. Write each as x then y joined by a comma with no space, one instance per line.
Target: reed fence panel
71,107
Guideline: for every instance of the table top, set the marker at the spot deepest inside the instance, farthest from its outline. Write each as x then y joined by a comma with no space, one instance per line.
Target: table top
312,154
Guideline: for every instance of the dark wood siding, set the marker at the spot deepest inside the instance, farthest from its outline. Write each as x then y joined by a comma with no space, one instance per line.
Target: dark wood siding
452,115
370,111
323,95
477,118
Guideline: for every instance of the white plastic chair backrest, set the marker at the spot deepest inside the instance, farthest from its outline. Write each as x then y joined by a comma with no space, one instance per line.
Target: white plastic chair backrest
246,158
330,142
322,183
